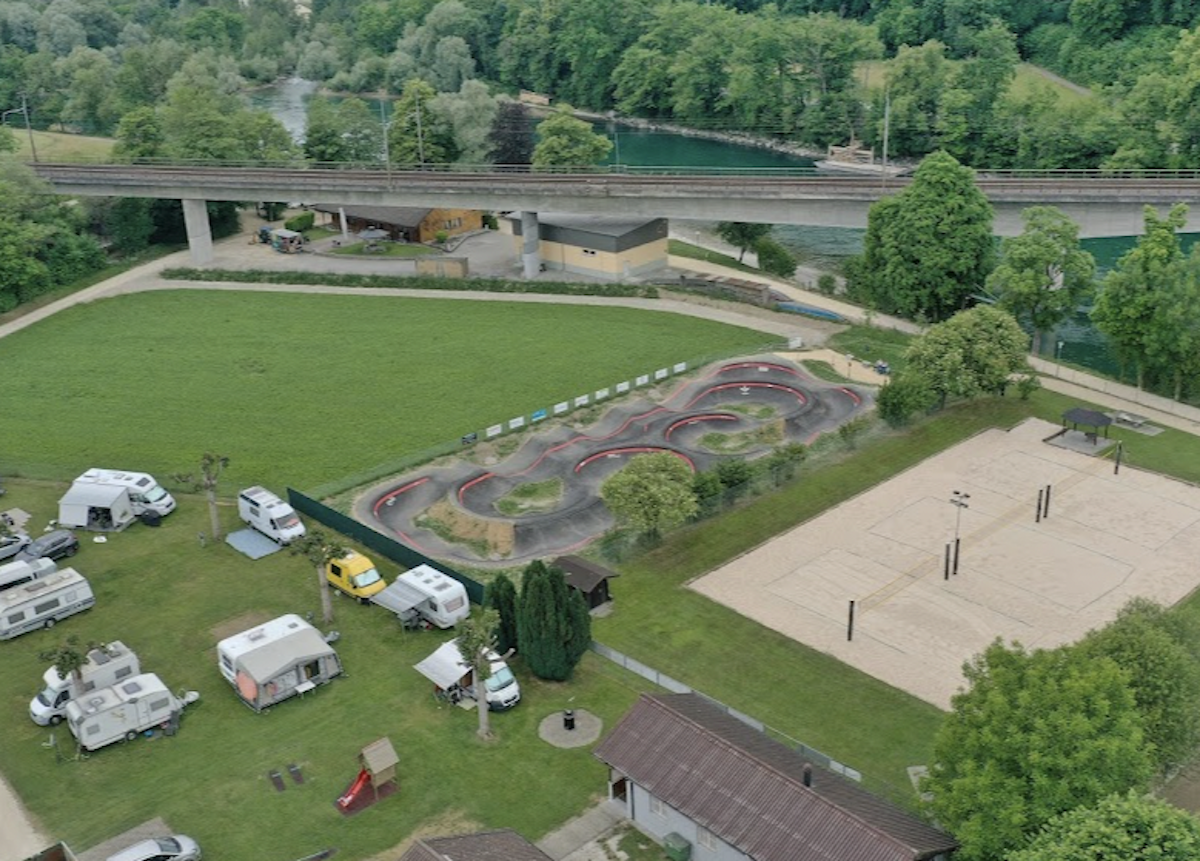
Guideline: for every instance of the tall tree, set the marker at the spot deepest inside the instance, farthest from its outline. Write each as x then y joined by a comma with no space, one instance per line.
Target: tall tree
742,235
547,626
320,549
652,492
973,353
476,642
511,139
471,114
1131,827
1043,274
564,141
502,597
928,248
211,467
1128,305
419,135
1034,734
68,659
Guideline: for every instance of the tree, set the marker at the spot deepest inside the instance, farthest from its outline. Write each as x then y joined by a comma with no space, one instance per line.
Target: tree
548,628
1128,827
1164,675
564,141
1043,274
652,493
774,259
742,235
971,354
346,132
1128,305
928,248
418,135
902,396
476,641
68,659
211,467
470,113
511,139
502,597
1033,735
320,549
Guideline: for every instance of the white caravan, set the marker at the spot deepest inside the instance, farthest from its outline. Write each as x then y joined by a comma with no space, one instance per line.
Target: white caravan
25,571
425,595
44,602
279,659
454,678
270,515
125,710
145,494
105,666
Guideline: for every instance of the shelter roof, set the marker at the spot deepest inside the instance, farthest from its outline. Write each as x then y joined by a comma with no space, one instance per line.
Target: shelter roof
581,573
754,792
99,495
1084,416
379,755
445,667
401,216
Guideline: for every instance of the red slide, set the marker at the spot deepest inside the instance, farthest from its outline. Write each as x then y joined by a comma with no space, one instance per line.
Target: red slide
350,794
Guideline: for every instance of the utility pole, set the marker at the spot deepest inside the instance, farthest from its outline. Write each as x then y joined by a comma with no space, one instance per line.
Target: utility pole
420,136
887,121
24,109
387,155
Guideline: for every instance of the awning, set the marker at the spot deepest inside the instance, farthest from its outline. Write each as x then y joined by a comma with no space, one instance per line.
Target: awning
445,667
400,597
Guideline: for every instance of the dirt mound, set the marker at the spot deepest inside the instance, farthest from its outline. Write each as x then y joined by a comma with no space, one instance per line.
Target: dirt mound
465,528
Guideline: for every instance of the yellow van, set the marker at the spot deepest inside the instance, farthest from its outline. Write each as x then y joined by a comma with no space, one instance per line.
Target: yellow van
355,575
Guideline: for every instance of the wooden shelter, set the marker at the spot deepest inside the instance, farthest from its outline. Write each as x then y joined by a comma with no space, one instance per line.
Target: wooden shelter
587,578
379,760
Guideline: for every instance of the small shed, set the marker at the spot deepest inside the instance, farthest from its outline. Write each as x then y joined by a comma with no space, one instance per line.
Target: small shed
98,507
587,578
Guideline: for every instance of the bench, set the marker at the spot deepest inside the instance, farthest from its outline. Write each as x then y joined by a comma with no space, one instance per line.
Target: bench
1131,419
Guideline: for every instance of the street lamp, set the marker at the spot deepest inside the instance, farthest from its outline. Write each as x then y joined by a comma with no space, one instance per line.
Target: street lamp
959,500
24,109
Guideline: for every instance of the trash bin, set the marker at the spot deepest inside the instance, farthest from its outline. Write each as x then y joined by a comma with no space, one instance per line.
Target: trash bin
569,719
676,848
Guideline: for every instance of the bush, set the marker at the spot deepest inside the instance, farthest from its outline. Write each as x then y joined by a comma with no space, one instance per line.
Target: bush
774,259
827,284
302,222
902,397
440,237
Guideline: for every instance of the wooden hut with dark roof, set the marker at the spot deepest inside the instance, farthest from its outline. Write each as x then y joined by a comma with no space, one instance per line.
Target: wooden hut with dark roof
501,845
587,578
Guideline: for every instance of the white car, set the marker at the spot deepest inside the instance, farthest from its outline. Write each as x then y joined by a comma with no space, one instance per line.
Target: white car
12,544
177,848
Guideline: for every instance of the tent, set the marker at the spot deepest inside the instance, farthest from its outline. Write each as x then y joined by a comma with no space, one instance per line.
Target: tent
279,660
446,669
99,507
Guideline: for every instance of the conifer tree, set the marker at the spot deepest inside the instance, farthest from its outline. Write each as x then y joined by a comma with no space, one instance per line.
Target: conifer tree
502,597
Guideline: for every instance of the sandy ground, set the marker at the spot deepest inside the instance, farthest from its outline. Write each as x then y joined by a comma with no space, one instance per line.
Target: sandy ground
19,834
1108,538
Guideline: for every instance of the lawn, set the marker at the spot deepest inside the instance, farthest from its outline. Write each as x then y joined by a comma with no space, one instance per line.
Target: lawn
56,146
300,389
678,248
872,74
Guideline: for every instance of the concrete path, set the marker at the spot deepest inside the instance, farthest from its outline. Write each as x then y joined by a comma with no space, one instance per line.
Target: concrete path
579,839
20,836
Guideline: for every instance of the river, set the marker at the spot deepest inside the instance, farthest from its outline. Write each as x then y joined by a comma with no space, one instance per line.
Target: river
1076,342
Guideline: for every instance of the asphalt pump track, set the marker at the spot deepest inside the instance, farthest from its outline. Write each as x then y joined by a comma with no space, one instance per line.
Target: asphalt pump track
733,397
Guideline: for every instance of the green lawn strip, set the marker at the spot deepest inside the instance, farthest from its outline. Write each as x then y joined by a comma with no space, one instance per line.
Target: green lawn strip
163,594
824,371
695,252
867,343
304,389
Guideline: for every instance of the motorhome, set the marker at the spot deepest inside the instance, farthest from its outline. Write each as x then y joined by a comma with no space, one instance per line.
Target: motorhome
105,666
24,571
124,710
355,575
145,494
454,678
425,596
43,602
270,515
279,659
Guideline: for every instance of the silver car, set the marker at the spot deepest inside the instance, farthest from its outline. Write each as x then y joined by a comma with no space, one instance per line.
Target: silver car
180,847
12,544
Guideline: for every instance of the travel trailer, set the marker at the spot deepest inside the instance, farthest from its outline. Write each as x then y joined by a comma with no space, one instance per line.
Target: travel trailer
124,710
44,602
454,678
270,515
277,660
145,494
105,666
24,571
425,596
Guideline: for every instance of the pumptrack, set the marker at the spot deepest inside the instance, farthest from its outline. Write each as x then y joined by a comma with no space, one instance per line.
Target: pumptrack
734,399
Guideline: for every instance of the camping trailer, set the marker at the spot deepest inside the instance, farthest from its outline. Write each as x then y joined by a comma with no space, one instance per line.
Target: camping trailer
43,602
425,595
145,494
453,678
95,506
105,666
123,710
277,660
270,515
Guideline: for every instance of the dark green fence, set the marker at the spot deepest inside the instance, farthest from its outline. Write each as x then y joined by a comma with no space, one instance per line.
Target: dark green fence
398,552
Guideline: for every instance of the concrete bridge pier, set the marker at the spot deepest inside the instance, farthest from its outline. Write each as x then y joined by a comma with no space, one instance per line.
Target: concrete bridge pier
531,256
199,233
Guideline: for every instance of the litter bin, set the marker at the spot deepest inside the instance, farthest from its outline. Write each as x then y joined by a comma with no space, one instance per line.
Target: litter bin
569,719
676,848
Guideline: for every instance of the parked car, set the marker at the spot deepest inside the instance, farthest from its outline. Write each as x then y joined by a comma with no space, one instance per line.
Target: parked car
11,545
52,545
177,848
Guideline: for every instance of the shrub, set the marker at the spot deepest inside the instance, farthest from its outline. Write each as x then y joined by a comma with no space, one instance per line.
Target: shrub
827,284
300,223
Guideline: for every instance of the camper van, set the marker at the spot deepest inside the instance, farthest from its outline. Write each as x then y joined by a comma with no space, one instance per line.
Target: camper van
43,602
24,571
277,660
145,494
124,710
355,575
454,678
105,667
425,596
270,515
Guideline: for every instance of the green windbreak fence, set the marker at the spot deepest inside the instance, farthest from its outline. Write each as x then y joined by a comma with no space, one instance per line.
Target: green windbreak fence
398,552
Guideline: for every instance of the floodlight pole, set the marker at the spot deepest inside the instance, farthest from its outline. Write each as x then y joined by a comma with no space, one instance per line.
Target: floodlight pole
959,500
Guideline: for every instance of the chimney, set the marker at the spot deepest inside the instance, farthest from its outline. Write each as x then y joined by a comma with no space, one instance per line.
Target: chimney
807,774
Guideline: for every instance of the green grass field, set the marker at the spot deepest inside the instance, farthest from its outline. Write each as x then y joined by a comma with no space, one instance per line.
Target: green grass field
57,146
873,74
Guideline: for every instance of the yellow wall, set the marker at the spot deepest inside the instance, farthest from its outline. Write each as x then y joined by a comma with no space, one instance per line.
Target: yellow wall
605,263
438,219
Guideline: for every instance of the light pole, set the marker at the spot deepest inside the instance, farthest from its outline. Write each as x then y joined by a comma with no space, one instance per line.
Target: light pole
24,109
959,500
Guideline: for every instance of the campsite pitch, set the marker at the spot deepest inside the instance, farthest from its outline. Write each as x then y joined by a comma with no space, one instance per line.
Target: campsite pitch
1106,539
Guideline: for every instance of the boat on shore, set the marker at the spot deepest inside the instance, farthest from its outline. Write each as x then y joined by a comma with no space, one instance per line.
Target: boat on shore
858,160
